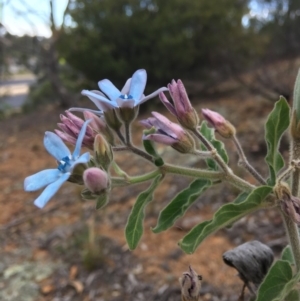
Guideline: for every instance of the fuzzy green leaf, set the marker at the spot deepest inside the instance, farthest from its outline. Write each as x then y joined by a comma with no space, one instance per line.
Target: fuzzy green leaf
294,295
178,206
102,200
134,228
278,121
287,255
278,283
296,98
209,134
225,216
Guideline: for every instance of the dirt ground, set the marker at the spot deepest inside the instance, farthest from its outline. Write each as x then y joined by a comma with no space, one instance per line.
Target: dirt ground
69,251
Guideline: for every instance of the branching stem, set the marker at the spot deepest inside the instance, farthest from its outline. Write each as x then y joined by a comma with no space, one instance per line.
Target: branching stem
244,162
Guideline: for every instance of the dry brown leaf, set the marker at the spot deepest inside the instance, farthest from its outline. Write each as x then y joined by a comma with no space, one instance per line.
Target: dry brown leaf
78,286
73,272
47,289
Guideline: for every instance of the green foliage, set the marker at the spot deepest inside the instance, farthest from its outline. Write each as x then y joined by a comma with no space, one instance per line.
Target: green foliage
225,216
178,206
219,146
278,283
294,295
150,149
287,255
277,123
113,38
134,228
296,98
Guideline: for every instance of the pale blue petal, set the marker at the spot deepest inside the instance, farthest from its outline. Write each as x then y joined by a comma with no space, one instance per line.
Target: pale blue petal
55,146
109,89
41,179
138,83
145,98
100,101
81,135
50,190
126,88
84,158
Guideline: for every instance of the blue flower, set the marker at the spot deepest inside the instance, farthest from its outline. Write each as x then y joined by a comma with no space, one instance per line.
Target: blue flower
54,178
130,96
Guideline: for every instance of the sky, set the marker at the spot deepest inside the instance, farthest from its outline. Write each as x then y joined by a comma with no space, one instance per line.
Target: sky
30,16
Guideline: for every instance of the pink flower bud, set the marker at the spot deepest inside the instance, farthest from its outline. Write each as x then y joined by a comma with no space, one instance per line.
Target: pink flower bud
70,127
95,179
181,107
219,123
168,133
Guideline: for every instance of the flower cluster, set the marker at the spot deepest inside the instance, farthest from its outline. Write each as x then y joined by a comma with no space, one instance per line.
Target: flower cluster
107,131
98,131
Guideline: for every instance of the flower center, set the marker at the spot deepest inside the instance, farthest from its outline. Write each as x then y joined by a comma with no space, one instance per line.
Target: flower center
126,96
63,164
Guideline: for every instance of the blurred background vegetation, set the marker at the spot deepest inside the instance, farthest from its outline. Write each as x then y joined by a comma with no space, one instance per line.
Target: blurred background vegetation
245,43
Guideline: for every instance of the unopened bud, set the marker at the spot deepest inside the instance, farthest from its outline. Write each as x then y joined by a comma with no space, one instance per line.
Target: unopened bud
219,123
99,125
290,204
185,145
96,180
103,152
190,285
168,133
181,107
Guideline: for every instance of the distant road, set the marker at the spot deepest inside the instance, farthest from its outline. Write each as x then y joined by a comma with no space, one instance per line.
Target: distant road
14,90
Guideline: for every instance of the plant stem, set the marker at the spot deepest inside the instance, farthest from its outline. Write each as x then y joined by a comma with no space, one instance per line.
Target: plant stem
118,182
191,172
244,162
120,135
291,227
202,154
127,133
293,236
131,147
213,151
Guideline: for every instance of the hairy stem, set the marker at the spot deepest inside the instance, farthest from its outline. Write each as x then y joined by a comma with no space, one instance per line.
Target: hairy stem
244,162
118,182
127,133
131,147
295,155
120,136
291,227
293,236
213,151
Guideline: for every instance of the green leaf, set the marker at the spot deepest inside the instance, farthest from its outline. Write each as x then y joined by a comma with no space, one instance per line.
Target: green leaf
296,98
178,206
278,121
150,149
287,255
294,295
241,197
225,216
209,134
102,200
278,283
134,228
